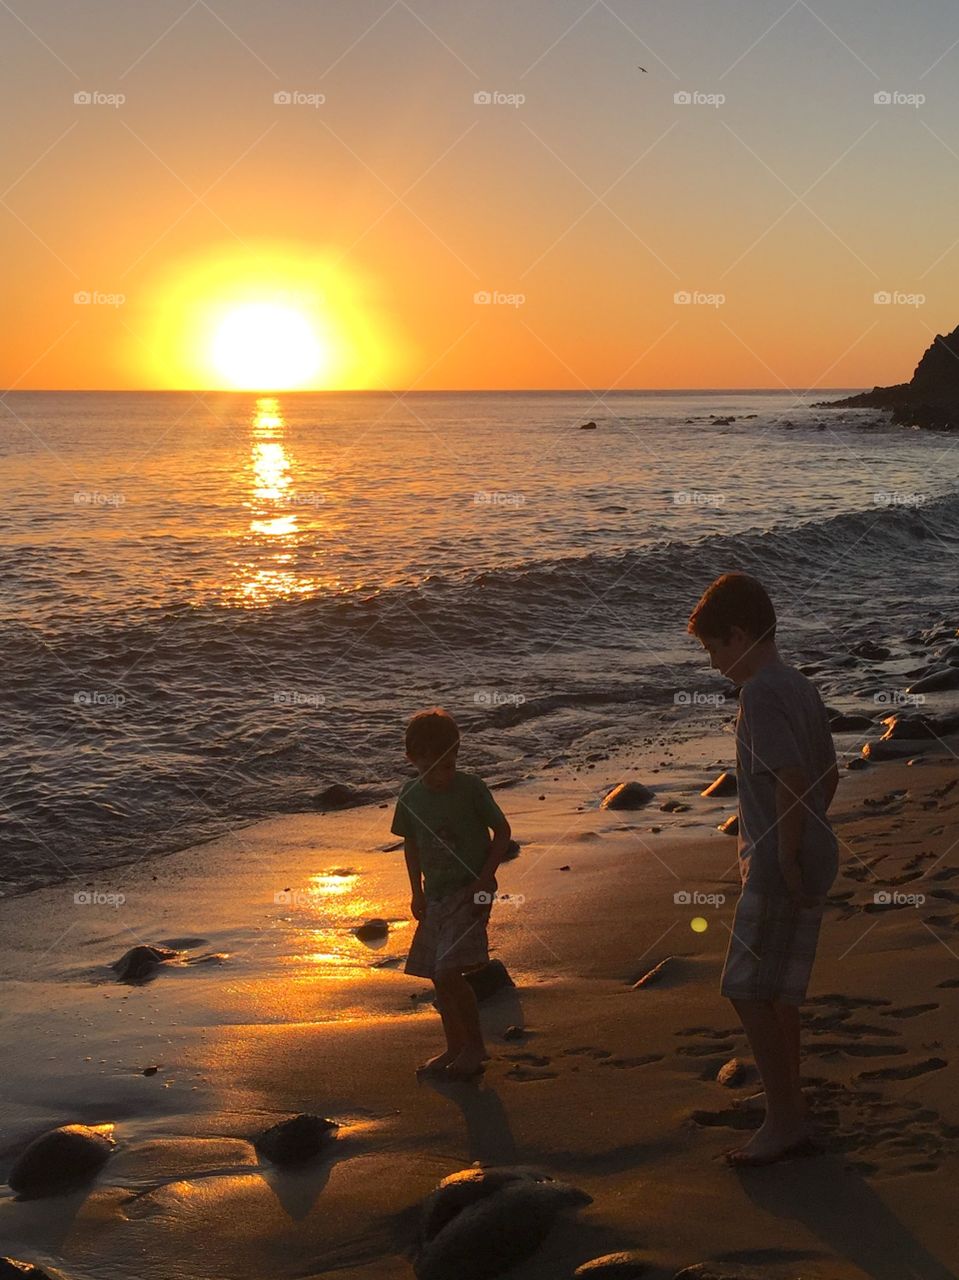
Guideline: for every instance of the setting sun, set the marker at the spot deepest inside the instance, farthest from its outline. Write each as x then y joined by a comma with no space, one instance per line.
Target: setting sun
270,317
264,346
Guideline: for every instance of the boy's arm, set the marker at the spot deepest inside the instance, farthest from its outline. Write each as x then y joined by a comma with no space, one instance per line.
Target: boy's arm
497,852
415,872
792,786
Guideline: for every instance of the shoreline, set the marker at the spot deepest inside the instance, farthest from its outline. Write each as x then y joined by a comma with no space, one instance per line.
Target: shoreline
609,1088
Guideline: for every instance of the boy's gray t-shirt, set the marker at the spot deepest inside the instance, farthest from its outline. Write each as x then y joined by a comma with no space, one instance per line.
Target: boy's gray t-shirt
782,721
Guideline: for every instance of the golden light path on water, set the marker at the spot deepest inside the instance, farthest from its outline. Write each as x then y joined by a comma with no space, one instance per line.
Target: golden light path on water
276,525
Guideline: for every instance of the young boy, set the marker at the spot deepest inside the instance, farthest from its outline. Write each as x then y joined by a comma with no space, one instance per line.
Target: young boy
788,853
445,816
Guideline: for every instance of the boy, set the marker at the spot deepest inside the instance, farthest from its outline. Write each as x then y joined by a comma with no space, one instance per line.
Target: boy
788,853
445,816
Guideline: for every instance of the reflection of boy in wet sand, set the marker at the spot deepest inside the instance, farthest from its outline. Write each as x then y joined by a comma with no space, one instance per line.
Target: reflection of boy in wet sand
788,853
445,817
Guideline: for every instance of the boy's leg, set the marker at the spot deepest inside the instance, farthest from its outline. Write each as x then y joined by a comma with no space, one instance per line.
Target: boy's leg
788,1015
472,1049
773,1047
453,1029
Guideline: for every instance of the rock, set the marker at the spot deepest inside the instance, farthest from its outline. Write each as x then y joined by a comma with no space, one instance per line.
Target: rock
627,795
479,1223
12,1269
886,750
731,826
914,727
651,975
588,426
613,1266
944,678
490,979
673,806
841,722
732,1073
337,796
565,867
513,1033
295,1140
150,1071
870,650
372,930
61,1159
857,762
930,400
724,785
512,851
140,962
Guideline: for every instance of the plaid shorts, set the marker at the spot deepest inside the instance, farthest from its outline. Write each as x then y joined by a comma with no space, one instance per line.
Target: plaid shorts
771,949
451,935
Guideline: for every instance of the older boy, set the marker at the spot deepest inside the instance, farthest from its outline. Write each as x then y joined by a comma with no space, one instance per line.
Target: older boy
788,852
445,816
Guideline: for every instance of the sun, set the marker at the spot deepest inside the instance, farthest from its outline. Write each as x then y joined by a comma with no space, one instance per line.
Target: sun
265,346
270,316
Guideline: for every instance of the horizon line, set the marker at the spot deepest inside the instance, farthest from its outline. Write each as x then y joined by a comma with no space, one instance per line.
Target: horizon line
386,391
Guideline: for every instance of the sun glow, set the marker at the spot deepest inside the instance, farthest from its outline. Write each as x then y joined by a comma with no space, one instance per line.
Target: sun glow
270,318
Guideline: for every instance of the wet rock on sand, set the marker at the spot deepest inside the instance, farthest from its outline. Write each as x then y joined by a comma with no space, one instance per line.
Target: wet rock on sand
613,1266
479,1223
372,930
61,1159
13,1269
724,785
140,962
627,795
731,826
296,1140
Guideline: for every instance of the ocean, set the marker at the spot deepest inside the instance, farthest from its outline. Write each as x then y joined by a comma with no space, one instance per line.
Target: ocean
216,605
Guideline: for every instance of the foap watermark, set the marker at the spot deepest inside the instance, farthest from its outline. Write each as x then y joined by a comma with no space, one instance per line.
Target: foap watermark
298,98
482,898
898,498
897,298
97,898
99,698
696,98
498,698
896,98
297,897
94,298
496,98
696,898
893,898
96,98
696,698
97,498
898,698
498,498
298,698
698,298
496,298
303,499
697,498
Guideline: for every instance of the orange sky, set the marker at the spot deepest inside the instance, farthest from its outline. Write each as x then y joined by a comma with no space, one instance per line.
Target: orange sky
381,212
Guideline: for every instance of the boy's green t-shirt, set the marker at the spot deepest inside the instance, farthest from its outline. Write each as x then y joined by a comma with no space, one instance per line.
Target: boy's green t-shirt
451,829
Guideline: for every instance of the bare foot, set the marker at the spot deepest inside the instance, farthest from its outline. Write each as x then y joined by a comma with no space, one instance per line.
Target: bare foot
439,1063
467,1062
770,1140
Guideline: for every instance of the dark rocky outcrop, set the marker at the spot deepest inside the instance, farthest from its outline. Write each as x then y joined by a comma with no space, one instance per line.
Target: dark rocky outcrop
930,399
296,1140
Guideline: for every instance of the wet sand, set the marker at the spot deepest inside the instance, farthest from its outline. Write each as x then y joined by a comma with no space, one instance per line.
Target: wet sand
610,1088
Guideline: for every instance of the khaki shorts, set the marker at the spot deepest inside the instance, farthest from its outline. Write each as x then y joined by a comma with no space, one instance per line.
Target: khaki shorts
771,949
451,935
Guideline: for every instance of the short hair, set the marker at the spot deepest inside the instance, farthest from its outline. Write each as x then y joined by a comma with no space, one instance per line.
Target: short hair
734,600
431,734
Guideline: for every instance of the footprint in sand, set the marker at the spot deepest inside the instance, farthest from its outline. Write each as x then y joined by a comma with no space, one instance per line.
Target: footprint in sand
857,1050
643,1061
910,1011
949,982
587,1051
700,1050
530,1066
722,1034
905,1073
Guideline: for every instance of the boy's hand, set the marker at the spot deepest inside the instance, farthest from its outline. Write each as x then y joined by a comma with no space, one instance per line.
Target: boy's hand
793,877
418,904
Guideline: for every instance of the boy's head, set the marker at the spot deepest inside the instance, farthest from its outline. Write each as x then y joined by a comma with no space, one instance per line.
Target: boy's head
734,621
432,741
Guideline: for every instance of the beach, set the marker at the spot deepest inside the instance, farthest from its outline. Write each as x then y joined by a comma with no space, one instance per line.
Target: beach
609,1087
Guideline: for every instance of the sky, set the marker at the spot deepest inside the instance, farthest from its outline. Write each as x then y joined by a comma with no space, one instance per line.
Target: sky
433,194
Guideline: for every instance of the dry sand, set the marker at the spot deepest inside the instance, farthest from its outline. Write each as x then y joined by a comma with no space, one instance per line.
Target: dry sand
609,1088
